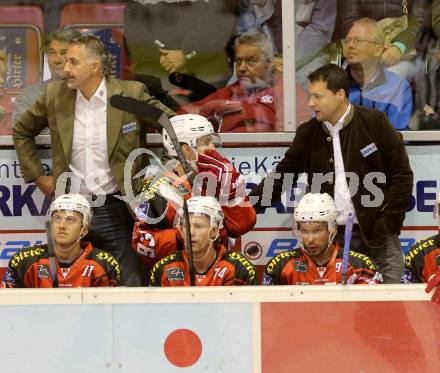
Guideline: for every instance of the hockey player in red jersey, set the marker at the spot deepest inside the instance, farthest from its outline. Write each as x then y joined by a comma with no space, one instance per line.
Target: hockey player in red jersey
214,264
154,234
77,263
319,260
422,262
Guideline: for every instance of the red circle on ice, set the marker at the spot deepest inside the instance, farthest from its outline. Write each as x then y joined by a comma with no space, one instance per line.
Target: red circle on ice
183,348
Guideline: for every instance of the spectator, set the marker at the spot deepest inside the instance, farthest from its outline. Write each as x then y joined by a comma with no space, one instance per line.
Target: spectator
184,37
155,235
345,140
55,47
3,70
254,103
426,114
320,260
422,262
314,23
76,263
6,96
96,151
435,23
402,21
264,16
370,84
214,265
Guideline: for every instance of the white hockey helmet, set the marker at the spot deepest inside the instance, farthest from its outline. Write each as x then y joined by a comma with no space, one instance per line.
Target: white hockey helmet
188,128
207,206
316,207
437,209
73,202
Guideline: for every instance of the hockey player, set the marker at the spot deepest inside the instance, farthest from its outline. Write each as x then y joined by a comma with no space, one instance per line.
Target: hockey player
214,265
319,260
422,262
77,263
154,235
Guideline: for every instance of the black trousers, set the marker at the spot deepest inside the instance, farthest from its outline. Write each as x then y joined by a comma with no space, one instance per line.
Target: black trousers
112,227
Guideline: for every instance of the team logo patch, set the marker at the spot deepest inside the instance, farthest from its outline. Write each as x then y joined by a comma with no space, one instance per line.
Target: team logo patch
299,266
9,277
42,271
267,99
175,274
253,250
141,210
267,280
321,271
407,277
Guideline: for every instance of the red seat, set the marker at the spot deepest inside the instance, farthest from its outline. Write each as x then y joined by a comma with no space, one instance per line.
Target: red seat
80,15
21,29
105,21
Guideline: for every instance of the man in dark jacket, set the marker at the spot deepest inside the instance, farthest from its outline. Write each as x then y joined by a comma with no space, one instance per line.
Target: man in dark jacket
347,141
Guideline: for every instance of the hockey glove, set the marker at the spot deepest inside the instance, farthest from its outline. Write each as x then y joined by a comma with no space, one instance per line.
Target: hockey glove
434,282
229,182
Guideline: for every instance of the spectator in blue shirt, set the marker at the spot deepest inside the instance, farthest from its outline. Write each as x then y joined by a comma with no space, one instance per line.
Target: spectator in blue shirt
371,85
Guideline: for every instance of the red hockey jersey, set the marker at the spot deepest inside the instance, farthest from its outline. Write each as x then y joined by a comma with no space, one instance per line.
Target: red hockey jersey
30,268
230,268
296,267
155,240
422,260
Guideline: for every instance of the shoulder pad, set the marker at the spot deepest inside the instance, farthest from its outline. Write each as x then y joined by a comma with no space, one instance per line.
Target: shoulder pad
157,270
177,256
28,255
107,261
247,269
282,258
150,186
235,256
358,260
425,245
417,252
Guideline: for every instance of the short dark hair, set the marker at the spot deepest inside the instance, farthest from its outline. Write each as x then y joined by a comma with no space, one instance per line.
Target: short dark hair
335,77
66,35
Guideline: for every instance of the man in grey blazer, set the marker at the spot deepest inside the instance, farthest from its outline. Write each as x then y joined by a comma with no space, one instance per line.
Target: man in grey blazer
92,141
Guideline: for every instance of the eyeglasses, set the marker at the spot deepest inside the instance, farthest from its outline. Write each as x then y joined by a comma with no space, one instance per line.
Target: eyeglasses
356,42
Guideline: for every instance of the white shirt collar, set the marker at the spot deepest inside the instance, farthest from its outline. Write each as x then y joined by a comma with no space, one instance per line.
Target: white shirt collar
335,128
100,93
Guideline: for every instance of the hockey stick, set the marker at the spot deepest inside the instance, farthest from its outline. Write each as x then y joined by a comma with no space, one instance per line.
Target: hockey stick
158,120
155,115
347,242
50,243
51,253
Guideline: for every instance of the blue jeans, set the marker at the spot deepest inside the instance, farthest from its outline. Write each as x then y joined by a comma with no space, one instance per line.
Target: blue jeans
389,258
112,227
